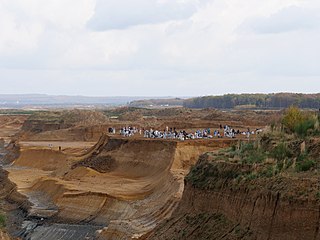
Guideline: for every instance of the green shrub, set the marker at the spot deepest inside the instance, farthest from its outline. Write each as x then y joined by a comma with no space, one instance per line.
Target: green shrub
251,176
302,128
267,172
292,118
246,147
254,157
2,221
302,157
279,166
298,122
250,154
289,162
206,175
281,152
305,165
233,148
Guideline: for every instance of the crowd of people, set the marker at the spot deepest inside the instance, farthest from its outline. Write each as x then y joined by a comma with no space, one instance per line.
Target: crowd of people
173,133
129,131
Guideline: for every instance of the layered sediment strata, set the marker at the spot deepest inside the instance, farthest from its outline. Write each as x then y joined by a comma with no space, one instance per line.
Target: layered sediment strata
123,186
264,209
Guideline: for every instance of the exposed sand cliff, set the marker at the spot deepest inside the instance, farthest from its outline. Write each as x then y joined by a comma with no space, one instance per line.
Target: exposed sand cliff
126,186
264,209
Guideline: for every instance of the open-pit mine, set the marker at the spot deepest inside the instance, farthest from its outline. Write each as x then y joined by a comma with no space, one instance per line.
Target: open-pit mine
132,173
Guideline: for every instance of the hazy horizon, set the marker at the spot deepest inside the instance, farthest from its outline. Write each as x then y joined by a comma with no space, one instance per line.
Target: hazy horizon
140,96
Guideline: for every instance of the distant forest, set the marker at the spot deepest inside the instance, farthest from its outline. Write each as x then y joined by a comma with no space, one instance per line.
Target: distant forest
278,100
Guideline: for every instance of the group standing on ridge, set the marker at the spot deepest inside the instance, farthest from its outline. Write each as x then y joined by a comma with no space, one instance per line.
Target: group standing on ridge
173,133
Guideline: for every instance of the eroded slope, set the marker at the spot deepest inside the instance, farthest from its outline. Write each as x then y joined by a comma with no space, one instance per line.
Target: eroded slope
124,186
280,207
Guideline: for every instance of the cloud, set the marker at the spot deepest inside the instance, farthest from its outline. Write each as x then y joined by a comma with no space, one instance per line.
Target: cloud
25,25
289,19
120,14
176,47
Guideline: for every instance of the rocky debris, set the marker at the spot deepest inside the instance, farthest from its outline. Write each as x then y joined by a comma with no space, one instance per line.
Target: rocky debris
59,231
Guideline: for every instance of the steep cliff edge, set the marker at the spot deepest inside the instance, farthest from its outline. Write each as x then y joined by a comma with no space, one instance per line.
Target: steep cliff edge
222,200
13,207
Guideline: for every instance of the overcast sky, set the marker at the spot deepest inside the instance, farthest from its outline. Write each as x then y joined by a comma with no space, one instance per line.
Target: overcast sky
159,47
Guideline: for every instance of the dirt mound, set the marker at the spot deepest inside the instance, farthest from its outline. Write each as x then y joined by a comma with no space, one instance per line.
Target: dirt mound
131,116
51,121
173,112
78,133
13,121
216,115
85,117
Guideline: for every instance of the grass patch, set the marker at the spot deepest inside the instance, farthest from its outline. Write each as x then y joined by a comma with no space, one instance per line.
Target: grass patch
281,152
303,128
305,165
248,153
208,175
267,172
2,220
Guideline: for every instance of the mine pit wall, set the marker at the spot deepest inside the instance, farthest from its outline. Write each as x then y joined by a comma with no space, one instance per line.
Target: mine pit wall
8,192
11,152
163,159
187,153
12,203
267,214
151,159
162,155
83,207
141,157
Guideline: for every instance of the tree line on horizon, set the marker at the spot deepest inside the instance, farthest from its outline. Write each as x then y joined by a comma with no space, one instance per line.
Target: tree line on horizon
277,100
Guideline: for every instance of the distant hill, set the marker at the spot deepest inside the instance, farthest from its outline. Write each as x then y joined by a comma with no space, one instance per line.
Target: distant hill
43,100
277,100
229,101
